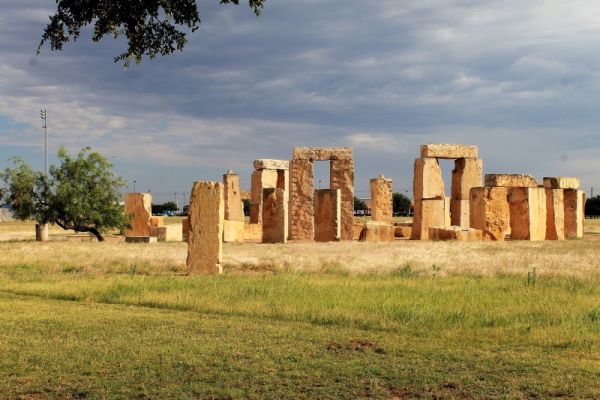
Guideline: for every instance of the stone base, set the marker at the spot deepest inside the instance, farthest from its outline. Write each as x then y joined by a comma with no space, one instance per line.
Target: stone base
141,239
402,231
374,231
455,233
253,233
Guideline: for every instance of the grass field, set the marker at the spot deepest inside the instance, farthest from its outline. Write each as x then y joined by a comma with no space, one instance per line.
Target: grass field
346,320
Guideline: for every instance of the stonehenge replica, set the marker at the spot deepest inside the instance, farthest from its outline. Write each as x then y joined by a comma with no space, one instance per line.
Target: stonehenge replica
284,206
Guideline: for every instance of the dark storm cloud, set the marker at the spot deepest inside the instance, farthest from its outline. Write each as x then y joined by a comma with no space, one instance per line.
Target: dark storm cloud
520,81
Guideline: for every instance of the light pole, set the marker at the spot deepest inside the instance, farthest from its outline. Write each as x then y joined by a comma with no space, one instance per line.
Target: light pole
44,116
134,187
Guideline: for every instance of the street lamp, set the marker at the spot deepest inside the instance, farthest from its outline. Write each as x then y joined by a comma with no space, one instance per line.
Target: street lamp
134,187
44,117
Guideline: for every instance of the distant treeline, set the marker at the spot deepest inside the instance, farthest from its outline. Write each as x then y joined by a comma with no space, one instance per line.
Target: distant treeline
592,206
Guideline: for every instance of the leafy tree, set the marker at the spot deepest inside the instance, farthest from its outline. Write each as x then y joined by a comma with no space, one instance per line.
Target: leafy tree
401,203
592,206
81,194
151,27
166,207
246,204
359,204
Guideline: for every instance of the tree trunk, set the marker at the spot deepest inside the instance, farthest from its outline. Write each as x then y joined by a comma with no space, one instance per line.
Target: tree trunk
96,233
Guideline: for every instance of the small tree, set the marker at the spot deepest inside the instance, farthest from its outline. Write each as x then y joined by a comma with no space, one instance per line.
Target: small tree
169,206
401,203
592,206
81,194
359,204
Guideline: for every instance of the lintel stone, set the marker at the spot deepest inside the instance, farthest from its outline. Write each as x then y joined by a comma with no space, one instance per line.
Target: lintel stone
448,151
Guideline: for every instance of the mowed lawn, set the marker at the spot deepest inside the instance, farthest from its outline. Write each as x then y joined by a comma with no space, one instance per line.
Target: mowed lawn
119,321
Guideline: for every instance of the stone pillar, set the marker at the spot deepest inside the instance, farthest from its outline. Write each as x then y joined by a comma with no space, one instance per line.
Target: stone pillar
527,213
555,214
428,213
41,233
206,216
234,209
429,200
261,179
139,207
275,216
327,206
574,213
382,200
489,212
467,174
341,176
301,200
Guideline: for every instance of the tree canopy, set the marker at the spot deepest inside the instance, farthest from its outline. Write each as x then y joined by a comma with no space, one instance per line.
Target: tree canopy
81,193
152,27
401,204
592,206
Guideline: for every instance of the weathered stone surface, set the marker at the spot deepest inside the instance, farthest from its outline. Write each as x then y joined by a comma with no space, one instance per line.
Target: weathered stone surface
233,231
555,214
381,200
141,239
428,182
574,201
42,233
527,213
402,231
328,208
301,216
275,216
467,174
447,221
341,176
159,232
253,233
455,233
375,231
561,182
185,226
167,233
489,212
157,221
139,207
234,208
322,153
510,180
206,216
262,179
271,164
459,213
246,195
448,151
428,212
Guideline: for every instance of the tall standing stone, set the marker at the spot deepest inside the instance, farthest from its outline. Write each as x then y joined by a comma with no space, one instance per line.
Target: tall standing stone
555,214
341,176
206,216
428,213
234,208
301,200
382,200
527,213
328,207
489,212
261,179
139,207
574,213
275,216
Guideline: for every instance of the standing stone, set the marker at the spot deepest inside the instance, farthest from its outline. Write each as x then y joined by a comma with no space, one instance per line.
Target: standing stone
375,231
527,213
275,216
41,233
327,206
427,213
459,213
234,208
341,176
555,214
382,200
467,174
301,200
206,216
561,182
139,207
185,229
489,212
261,179
574,213
428,182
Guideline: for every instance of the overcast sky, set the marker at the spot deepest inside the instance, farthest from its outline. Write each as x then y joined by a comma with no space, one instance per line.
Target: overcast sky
519,79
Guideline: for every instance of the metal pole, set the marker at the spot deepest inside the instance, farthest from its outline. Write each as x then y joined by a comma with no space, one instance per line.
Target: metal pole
134,187
44,116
